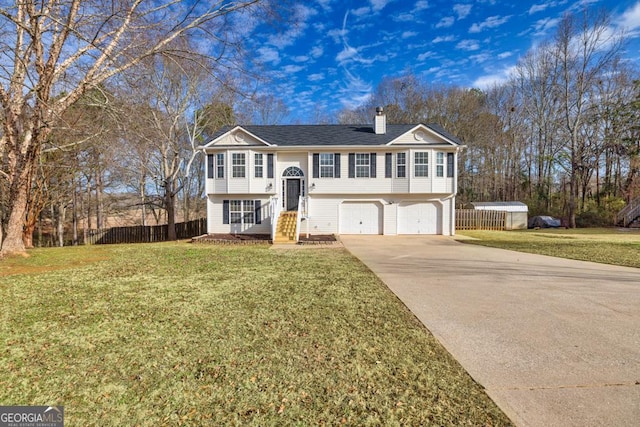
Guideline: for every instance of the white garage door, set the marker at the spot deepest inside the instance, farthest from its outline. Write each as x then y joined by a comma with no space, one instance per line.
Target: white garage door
420,218
361,218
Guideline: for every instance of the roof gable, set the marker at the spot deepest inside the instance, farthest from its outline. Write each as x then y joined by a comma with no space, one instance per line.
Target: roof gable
426,135
237,136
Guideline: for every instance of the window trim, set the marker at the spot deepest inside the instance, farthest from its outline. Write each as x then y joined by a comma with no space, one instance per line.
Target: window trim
439,164
248,214
402,165
238,165
424,165
258,166
328,168
219,166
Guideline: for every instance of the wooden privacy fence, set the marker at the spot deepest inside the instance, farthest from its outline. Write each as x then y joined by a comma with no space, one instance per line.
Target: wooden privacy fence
471,219
145,233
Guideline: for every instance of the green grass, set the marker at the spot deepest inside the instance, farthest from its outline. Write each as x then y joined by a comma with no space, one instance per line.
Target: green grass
181,334
603,245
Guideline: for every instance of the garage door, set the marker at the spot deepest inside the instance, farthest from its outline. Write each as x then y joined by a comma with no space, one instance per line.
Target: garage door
361,218
420,218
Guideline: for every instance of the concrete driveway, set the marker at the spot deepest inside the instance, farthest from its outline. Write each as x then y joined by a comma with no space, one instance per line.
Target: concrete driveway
555,342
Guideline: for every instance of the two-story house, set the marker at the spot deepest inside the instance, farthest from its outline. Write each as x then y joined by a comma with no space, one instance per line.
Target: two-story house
332,179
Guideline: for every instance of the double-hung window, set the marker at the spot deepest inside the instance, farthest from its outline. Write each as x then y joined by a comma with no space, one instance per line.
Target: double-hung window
244,212
258,165
401,165
362,165
220,165
327,165
238,164
421,164
440,165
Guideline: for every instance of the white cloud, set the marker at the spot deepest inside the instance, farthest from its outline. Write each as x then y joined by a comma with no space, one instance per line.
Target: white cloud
543,25
404,17
316,51
421,5
355,93
301,15
348,53
489,80
425,55
469,45
480,58
292,69
630,19
268,55
361,11
378,5
441,39
445,22
463,10
490,22
315,77
300,58
408,34
538,8
504,55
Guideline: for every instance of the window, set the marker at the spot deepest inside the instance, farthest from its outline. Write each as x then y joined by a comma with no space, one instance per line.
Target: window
421,163
449,165
238,165
258,165
439,165
244,212
362,165
220,165
326,165
401,165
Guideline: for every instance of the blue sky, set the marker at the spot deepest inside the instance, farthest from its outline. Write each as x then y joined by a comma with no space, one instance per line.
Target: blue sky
341,49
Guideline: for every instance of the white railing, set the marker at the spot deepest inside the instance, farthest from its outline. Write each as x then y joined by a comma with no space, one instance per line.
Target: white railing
274,211
303,212
629,213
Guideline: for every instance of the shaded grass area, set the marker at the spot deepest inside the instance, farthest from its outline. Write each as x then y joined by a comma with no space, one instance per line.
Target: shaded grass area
603,245
179,334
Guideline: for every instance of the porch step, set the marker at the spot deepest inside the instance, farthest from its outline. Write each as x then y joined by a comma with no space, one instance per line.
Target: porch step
286,228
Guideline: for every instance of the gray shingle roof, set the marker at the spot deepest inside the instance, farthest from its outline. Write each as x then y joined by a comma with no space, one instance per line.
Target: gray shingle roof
330,135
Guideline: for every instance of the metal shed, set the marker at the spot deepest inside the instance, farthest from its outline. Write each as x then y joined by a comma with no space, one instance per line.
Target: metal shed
517,212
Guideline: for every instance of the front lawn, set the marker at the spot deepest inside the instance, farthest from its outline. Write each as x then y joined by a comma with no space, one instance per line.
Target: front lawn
182,334
618,246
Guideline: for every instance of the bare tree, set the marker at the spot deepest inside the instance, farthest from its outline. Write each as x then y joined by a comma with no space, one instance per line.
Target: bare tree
585,49
57,50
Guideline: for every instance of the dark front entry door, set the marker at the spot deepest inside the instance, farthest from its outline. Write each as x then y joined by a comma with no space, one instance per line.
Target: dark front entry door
293,193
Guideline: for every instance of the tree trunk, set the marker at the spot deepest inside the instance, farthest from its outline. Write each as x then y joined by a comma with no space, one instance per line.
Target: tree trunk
61,217
13,242
170,206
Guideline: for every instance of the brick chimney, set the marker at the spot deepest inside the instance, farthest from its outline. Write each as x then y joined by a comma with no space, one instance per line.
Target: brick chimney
380,122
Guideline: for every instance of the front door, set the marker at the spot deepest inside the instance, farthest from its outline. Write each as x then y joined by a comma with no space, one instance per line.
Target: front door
293,194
